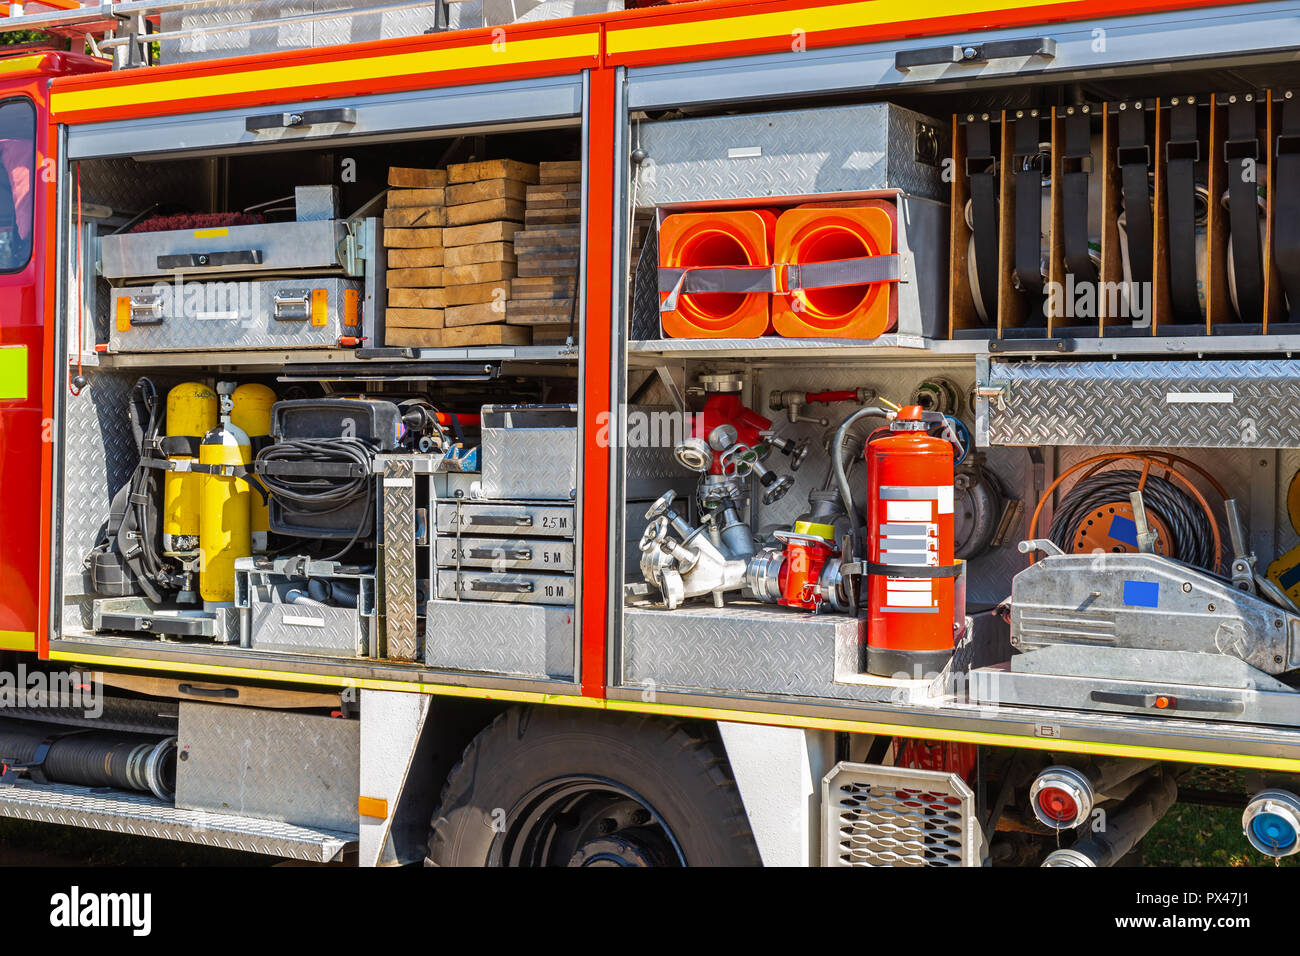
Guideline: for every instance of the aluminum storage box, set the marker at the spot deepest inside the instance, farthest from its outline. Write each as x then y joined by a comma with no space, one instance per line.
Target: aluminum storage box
260,247
505,518
287,313
530,451
514,639
793,153
511,587
505,554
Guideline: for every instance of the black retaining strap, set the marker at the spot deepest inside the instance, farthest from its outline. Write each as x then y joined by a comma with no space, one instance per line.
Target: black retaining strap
917,571
1286,201
1182,153
1133,156
1074,193
736,279
173,445
1029,205
842,272
981,171
1241,153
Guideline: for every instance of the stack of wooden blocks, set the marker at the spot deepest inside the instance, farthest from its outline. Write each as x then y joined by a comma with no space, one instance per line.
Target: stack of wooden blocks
413,236
547,255
485,209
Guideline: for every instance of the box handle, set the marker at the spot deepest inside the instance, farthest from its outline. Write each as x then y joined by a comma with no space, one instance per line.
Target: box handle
520,521
502,587
211,260
269,121
1044,47
514,554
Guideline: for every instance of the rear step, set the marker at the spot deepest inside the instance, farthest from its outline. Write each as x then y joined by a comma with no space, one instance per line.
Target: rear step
139,814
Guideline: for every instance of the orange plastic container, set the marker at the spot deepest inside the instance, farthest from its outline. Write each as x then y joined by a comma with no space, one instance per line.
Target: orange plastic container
827,232
714,239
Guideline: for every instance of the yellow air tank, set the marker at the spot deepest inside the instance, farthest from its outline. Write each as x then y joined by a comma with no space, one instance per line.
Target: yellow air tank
191,414
224,532
251,413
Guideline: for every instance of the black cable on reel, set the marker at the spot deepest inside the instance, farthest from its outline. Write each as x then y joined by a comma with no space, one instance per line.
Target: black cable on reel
1189,527
313,496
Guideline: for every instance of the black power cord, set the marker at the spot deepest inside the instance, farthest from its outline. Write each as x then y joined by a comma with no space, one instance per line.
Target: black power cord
312,497
1189,527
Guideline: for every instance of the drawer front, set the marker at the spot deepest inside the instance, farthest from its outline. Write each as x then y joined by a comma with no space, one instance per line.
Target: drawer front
487,518
264,314
260,247
506,554
308,629
514,587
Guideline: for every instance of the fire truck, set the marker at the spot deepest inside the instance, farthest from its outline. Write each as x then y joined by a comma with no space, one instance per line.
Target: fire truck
652,434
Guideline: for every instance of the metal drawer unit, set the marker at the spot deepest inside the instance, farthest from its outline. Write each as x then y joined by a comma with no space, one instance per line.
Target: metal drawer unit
288,313
321,245
504,551
280,616
506,554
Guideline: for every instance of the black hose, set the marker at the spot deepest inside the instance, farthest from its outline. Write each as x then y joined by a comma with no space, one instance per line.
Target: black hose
95,758
1189,527
313,497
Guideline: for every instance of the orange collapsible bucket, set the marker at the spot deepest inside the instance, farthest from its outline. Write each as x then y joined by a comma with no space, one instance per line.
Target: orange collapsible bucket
821,233
715,244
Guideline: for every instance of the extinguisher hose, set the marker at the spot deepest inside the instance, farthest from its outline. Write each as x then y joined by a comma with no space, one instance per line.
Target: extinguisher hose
841,473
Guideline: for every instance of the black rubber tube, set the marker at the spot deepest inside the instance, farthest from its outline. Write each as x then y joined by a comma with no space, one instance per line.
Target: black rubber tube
95,758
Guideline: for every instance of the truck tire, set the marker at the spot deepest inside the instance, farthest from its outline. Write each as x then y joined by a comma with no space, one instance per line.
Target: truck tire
553,786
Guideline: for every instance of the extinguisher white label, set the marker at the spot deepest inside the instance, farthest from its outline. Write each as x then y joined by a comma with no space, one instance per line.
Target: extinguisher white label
907,511
945,499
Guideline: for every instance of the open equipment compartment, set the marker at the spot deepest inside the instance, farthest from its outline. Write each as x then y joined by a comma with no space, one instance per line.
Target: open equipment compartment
302,422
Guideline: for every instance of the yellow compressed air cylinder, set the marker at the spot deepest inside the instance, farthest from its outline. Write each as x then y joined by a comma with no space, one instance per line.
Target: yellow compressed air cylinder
191,413
224,528
251,412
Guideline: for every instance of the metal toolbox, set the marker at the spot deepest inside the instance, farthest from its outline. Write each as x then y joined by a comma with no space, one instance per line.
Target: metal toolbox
515,587
505,518
530,451
793,153
262,314
516,639
505,554
261,247
309,629
280,616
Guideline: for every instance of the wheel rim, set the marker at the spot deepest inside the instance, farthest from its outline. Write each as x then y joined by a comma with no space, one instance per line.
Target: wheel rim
581,821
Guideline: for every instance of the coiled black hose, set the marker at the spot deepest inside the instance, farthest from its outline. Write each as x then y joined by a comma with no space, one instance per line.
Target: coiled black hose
313,497
1189,527
95,758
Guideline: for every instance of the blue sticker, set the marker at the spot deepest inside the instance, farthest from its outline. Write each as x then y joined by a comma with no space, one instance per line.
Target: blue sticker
1141,593
1124,529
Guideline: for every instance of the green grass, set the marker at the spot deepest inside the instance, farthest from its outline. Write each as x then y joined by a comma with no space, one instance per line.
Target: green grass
1192,835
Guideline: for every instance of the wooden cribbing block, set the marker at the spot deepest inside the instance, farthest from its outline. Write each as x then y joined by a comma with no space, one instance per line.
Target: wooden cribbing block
560,173
459,337
478,293
412,238
543,287
401,198
492,169
415,258
481,313
404,177
496,231
481,252
478,273
413,217
429,278
416,298
486,211
539,311
413,318
485,189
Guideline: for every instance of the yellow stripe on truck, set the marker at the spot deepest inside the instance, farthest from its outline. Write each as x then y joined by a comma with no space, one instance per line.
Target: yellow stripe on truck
17,641
13,375
307,75
1051,744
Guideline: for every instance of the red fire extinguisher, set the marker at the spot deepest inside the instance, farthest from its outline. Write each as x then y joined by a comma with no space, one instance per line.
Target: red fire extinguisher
916,601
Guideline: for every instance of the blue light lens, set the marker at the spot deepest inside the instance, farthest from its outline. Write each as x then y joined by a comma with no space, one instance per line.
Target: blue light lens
1272,831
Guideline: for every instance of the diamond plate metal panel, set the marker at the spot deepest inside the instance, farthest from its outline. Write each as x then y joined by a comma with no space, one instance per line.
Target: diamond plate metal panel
299,769
1246,403
238,315
397,564
539,463
896,816
510,639
790,153
139,814
308,629
746,648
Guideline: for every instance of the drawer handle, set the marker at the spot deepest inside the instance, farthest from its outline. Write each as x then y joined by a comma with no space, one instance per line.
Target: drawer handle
291,305
1044,47
211,260
141,310
519,521
502,587
514,554
339,114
